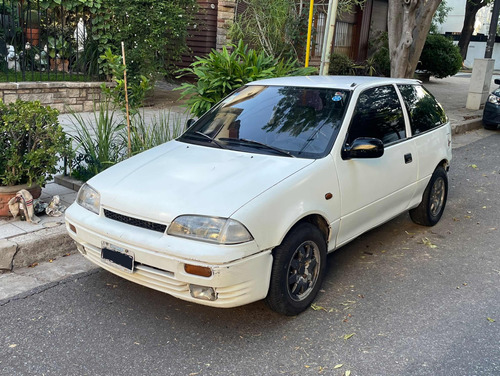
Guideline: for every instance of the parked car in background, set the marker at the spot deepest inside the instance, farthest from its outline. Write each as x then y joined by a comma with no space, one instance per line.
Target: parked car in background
491,112
249,201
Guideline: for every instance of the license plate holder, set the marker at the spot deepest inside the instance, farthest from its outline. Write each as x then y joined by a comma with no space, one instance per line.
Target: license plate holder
118,257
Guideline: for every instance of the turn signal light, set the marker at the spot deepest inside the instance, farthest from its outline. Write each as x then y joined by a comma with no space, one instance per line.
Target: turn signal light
202,271
72,228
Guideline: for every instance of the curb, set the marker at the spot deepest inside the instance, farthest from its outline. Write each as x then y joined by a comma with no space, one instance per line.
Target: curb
43,245
466,126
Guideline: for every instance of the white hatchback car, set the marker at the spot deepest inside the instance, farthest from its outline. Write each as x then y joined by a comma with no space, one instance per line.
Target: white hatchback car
247,203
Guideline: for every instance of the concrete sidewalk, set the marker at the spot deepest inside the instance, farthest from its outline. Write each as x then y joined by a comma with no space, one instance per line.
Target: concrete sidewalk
23,244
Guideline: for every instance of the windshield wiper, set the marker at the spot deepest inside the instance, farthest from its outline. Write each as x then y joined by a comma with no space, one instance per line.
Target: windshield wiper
257,143
207,137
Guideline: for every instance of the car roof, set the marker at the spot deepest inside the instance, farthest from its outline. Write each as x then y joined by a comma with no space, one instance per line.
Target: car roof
334,82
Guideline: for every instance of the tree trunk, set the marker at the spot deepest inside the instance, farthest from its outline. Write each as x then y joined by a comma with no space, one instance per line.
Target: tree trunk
409,22
471,9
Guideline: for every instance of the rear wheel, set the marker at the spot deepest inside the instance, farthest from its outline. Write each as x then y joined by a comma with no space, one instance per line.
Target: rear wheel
490,127
298,268
430,210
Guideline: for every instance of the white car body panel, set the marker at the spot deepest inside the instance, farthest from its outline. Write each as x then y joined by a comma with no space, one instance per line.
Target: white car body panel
162,178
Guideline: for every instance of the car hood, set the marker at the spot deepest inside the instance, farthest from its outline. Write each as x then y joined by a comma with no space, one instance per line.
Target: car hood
178,178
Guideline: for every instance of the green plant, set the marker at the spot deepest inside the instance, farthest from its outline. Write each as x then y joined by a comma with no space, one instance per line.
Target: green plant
220,73
369,67
31,143
379,47
440,57
137,87
97,139
154,32
146,135
341,65
59,48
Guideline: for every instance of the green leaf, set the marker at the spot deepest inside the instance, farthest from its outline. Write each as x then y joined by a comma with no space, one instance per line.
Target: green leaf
338,366
490,319
347,336
316,307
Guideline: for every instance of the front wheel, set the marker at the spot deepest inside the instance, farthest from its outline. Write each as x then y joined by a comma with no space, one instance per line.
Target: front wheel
298,269
430,210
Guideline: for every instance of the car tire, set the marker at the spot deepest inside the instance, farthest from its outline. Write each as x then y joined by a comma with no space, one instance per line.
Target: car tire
299,264
490,127
430,210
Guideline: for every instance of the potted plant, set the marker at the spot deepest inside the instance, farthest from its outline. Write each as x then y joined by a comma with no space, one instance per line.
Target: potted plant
32,143
32,27
60,50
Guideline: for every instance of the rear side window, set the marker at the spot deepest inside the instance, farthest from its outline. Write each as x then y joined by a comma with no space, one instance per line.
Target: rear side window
378,114
425,112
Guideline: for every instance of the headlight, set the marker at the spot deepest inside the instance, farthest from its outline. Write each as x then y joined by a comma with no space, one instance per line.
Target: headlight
211,229
89,198
494,99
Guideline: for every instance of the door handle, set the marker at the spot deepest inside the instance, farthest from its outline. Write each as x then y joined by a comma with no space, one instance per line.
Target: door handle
408,158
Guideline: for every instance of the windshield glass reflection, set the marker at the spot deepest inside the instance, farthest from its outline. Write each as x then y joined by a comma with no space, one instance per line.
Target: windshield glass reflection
293,121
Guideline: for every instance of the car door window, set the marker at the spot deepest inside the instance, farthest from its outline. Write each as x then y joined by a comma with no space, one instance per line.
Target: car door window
424,111
378,114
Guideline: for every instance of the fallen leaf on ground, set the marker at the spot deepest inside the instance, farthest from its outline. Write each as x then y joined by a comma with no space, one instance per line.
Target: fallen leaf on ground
473,166
338,366
12,346
347,336
490,319
347,373
316,307
428,243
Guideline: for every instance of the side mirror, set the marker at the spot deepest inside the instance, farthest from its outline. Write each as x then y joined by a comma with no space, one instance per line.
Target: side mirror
497,81
363,147
190,122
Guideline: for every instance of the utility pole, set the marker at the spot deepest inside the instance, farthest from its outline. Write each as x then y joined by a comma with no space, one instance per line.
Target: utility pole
493,30
328,38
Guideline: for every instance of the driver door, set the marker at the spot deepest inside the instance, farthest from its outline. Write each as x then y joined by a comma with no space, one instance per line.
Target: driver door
376,190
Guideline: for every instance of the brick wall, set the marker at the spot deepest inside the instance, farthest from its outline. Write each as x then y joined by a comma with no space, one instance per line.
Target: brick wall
63,96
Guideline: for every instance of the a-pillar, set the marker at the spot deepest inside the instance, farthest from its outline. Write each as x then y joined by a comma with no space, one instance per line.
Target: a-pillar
480,82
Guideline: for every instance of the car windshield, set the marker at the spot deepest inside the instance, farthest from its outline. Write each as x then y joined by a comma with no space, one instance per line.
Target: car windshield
280,120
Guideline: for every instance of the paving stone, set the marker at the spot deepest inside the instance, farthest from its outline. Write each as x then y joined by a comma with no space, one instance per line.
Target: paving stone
9,230
53,189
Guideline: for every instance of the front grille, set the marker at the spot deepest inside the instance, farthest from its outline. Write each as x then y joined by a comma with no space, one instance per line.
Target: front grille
134,221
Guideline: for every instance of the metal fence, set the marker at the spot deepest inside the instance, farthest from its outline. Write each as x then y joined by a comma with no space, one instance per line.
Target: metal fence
43,41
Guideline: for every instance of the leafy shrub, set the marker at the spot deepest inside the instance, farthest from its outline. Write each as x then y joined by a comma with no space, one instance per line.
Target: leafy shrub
219,73
31,143
102,140
146,135
98,141
136,89
275,27
154,32
341,65
379,49
440,57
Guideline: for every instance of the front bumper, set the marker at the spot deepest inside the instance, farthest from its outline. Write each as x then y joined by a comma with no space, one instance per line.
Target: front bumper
491,113
159,260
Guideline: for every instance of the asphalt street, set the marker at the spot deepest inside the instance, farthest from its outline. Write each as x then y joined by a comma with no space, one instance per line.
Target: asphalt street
400,300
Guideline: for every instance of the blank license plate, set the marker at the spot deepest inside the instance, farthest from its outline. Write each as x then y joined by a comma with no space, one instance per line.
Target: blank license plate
118,257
